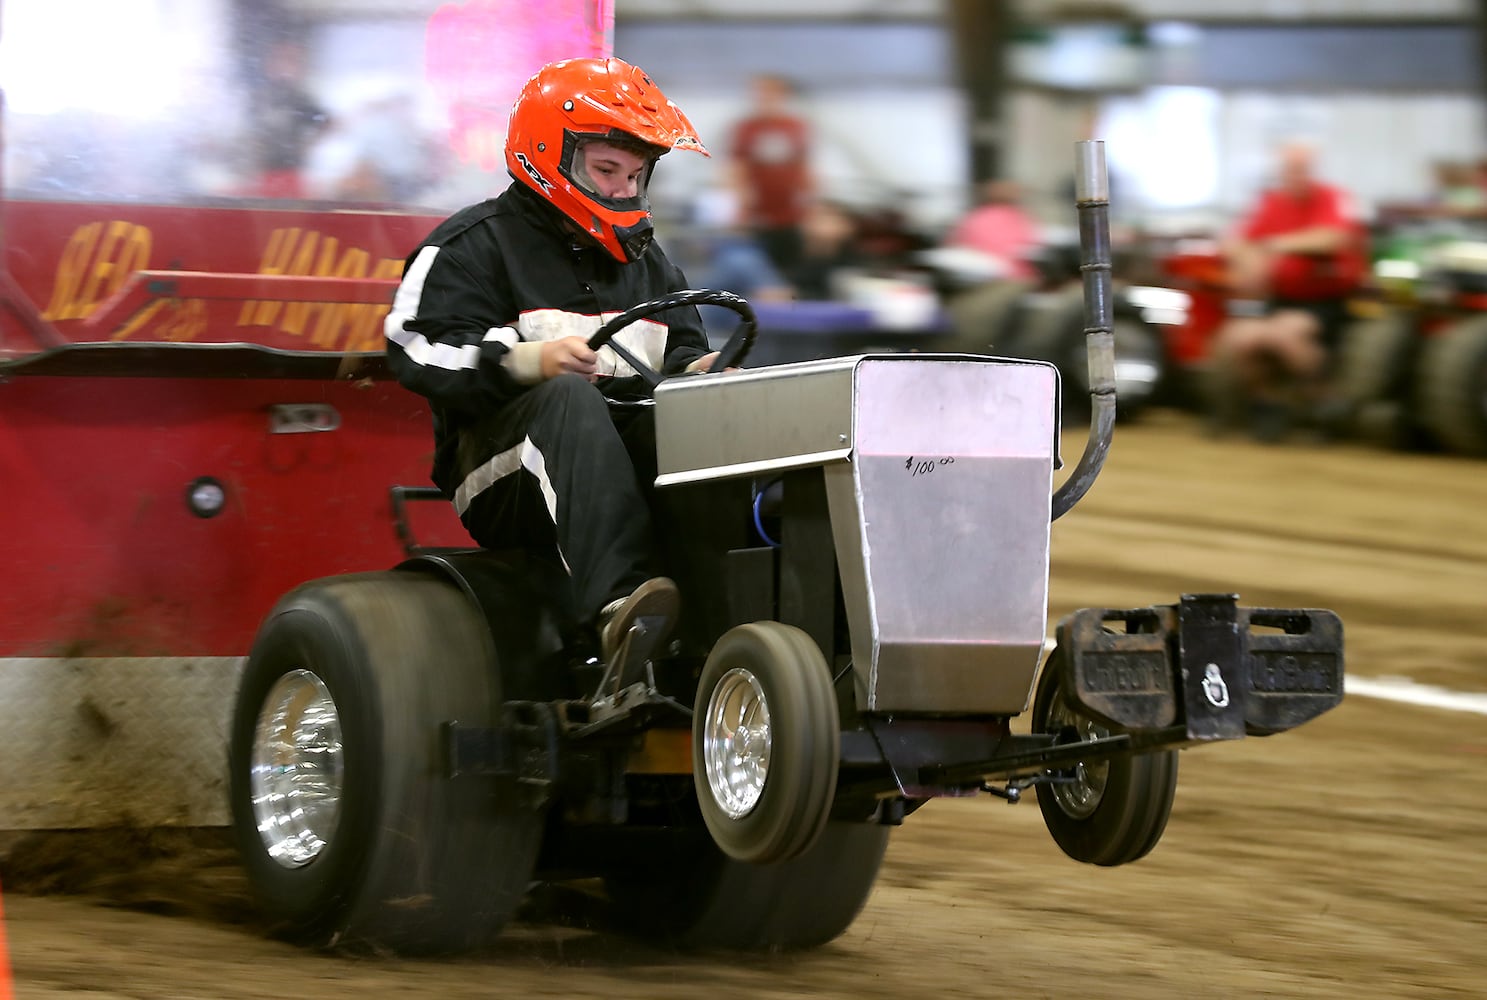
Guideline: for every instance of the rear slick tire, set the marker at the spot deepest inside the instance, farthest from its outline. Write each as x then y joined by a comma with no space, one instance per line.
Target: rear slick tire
344,692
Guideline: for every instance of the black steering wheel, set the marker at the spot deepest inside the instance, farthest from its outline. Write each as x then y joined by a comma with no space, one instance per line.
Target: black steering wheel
730,356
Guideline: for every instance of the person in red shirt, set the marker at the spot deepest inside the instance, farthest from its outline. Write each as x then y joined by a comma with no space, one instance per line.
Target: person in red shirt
771,163
1293,264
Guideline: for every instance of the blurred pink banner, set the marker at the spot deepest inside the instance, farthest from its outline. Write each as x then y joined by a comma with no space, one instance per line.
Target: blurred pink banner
478,54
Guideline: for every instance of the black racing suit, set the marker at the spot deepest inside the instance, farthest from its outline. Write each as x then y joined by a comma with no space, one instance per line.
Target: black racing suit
529,462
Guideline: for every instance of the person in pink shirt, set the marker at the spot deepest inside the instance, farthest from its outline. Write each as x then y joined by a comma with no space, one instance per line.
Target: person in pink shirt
999,228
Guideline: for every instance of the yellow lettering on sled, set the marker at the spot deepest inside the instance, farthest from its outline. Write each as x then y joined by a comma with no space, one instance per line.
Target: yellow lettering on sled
330,326
98,258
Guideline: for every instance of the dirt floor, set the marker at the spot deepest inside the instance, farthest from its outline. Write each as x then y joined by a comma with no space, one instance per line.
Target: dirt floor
1345,859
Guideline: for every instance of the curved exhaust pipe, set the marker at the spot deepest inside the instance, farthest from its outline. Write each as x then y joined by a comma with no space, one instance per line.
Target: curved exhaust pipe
1092,198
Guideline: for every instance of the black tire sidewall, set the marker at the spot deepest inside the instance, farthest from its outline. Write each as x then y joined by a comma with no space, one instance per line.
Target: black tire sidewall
421,861
1373,359
686,892
1134,806
310,900
1452,381
795,802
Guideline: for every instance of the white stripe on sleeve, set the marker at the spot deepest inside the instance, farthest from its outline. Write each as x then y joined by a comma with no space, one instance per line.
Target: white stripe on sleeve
405,307
502,335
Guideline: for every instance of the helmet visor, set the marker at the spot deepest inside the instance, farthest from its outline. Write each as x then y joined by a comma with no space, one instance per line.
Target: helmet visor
614,172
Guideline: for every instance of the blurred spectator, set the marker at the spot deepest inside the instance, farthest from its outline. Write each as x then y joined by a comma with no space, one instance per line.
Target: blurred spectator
732,259
1479,175
1457,188
999,228
286,121
883,235
771,165
1293,264
739,265
829,249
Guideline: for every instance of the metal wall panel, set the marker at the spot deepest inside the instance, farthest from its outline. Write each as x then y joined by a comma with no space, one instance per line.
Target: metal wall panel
121,741
1285,10
818,10
1326,58
1185,10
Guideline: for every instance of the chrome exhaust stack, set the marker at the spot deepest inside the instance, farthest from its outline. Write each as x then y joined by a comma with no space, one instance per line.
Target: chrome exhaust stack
1092,199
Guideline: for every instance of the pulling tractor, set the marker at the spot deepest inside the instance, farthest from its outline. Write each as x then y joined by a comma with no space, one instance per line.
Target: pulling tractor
1414,372
862,546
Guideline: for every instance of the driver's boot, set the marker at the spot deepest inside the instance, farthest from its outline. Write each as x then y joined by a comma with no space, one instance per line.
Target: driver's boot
634,628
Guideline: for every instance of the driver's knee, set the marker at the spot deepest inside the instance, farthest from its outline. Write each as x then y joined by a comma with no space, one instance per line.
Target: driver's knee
568,393
569,407
567,384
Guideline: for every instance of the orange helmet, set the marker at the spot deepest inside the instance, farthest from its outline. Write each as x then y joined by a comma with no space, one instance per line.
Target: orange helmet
575,101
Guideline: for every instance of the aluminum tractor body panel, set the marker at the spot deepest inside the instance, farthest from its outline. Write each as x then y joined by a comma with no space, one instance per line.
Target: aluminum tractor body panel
939,477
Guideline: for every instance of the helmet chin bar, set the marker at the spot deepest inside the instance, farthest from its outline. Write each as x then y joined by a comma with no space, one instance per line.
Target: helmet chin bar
599,212
636,239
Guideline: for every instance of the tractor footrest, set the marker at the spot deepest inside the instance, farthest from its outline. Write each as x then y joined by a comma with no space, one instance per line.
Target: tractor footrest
1217,670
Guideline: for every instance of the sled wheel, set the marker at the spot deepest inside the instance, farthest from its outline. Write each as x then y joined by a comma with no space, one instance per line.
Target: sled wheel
766,742
686,892
1452,387
1113,811
349,830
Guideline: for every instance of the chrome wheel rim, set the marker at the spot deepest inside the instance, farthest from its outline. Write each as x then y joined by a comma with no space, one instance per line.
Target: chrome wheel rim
1080,797
297,769
736,742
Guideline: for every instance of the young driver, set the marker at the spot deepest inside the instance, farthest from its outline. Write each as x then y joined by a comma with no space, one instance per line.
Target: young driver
491,323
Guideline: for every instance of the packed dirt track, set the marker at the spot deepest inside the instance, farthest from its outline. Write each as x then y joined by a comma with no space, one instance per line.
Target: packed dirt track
1344,859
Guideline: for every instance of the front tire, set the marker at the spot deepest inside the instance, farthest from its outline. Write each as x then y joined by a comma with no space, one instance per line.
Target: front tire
766,742
1113,811
686,892
349,830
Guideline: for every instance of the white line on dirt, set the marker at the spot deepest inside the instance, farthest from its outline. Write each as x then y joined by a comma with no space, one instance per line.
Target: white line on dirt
1403,689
